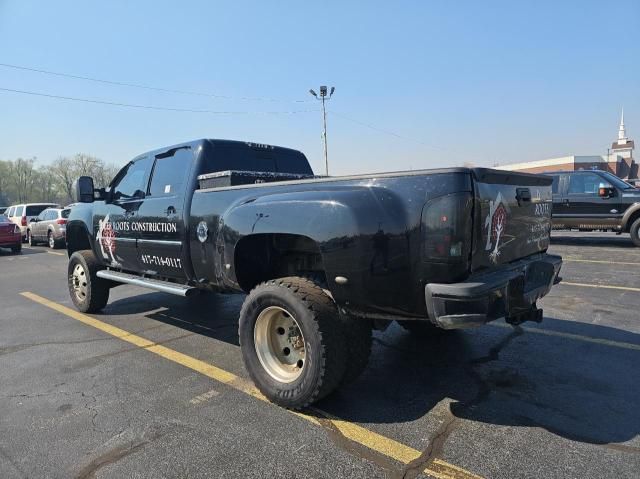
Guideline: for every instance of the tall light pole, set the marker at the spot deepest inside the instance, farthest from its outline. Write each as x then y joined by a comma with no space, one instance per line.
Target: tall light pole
323,97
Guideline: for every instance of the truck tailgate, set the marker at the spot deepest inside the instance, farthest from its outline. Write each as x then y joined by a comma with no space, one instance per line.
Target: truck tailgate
512,217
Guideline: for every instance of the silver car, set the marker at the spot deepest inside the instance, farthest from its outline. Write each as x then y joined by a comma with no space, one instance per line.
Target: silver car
50,227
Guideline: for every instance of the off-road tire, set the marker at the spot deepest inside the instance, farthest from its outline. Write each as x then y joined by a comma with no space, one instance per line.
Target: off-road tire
423,328
358,333
97,289
16,248
634,231
325,340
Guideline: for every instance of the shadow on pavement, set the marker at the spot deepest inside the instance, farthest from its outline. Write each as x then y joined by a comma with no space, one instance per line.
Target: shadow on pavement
208,314
505,376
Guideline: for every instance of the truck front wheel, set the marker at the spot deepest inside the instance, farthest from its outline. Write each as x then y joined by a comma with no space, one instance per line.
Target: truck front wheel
634,231
293,341
88,292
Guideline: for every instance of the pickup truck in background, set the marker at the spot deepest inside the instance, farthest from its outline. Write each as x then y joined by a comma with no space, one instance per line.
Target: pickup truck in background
323,260
589,200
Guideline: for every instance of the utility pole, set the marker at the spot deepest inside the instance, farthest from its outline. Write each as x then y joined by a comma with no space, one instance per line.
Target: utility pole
323,97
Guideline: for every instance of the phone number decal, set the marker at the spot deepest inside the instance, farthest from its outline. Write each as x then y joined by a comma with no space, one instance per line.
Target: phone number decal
161,261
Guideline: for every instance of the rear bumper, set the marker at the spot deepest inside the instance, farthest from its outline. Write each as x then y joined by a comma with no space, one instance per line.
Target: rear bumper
508,292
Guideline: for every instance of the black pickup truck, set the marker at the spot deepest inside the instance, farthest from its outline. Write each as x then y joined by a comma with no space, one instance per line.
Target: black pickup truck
323,260
589,200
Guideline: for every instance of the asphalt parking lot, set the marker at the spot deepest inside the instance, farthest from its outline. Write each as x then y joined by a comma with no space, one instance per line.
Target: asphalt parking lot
155,387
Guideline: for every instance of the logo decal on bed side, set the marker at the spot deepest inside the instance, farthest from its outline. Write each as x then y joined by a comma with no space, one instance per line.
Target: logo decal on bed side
495,223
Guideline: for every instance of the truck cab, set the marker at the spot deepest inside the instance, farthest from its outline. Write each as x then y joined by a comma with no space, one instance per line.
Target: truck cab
593,200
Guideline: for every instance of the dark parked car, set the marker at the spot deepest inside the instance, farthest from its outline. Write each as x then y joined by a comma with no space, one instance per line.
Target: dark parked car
323,260
10,235
49,227
595,200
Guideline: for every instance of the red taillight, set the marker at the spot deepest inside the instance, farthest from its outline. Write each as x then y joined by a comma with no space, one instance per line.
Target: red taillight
24,221
61,221
446,228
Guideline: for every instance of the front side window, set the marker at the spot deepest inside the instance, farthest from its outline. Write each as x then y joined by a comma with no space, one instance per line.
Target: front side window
586,183
11,210
170,173
132,180
43,216
554,185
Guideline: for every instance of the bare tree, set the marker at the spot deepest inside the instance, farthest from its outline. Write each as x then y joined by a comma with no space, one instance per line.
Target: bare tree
22,175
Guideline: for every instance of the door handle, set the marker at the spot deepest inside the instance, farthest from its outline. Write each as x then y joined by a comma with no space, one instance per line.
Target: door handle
171,210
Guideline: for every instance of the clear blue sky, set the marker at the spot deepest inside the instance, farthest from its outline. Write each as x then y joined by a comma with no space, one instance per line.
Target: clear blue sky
463,81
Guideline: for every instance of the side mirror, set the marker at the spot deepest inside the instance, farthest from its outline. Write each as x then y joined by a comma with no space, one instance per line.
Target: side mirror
606,192
33,220
84,189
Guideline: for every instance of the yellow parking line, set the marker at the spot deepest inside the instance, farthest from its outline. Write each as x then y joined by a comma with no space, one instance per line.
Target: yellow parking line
577,337
374,441
603,286
58,254
580,260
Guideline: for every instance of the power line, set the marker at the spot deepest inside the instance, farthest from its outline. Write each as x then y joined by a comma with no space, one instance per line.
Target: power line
153,107
147,87
402,137
381,130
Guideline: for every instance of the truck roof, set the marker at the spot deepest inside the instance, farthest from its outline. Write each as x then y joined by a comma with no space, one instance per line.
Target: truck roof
219,142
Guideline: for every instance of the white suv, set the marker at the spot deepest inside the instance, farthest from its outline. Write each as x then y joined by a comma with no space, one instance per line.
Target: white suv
22,214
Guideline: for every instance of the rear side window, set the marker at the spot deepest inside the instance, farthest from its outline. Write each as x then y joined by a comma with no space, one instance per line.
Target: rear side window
19,211
65,213
170,173
35,210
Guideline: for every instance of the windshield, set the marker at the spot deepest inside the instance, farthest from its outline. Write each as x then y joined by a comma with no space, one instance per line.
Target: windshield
617,182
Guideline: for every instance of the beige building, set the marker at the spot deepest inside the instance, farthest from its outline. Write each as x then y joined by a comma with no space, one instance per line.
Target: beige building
619,160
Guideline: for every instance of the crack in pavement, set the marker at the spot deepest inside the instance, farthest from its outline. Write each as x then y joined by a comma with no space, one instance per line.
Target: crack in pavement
20,347
118,452
437,442
351,447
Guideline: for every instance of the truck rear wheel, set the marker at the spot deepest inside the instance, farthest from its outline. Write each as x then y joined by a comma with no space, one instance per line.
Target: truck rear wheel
634,231
293,341
88,292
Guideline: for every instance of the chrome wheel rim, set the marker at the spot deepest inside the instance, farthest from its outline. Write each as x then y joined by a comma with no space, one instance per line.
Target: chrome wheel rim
51,241
79,282
279,344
